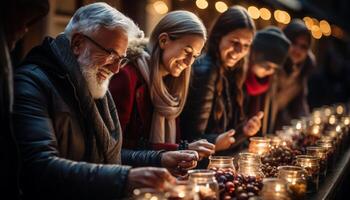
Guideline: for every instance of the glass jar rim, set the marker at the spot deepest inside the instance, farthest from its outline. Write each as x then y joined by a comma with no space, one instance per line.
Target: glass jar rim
261,139
201,172
217,158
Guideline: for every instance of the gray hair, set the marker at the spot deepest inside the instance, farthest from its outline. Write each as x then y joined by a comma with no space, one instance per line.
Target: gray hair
90,18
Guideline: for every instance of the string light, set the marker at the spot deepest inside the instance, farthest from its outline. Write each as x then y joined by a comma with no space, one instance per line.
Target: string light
160,7
325,28
221,6
265,14
253,12
202,4
316,32
308,22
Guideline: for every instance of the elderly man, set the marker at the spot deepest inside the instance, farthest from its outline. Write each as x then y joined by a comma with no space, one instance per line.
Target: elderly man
66,122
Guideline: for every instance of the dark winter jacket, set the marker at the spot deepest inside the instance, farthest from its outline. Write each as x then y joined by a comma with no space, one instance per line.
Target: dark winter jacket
292,90
67,138
198,119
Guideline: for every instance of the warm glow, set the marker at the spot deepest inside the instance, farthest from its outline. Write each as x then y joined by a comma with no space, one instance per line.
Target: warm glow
325,28
327,111
340,109
282,16
265,13
160,7
202,4
253,12
316,32
221,6
332,119
308,22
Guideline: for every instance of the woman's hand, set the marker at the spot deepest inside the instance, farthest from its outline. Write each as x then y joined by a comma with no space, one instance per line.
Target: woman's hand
225,140
203,148
253,125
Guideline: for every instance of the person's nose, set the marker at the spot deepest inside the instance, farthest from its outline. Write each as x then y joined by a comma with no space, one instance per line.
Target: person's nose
114,67
189,61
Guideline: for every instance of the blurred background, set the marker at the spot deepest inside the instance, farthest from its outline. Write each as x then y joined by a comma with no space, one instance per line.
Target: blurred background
328,21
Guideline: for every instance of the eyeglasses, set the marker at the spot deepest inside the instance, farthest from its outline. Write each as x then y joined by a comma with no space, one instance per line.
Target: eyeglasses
112,54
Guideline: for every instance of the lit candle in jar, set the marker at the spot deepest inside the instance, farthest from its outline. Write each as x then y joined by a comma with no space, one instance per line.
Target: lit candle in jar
294,176
312,166
259,145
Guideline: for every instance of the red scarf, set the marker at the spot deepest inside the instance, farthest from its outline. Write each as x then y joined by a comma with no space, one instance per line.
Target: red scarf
256,87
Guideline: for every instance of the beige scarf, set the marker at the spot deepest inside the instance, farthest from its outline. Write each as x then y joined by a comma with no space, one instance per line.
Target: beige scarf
166,106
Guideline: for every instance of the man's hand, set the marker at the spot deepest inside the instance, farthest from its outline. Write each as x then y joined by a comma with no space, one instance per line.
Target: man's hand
203,148
149,177
178,162
253,125
225,140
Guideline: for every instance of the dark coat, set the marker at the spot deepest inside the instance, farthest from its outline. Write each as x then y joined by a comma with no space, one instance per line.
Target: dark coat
292,91
9,155
198,118
64,135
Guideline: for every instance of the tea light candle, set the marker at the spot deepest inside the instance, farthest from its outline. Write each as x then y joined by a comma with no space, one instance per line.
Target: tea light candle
340,109
312,166
221,162
259,145
294,176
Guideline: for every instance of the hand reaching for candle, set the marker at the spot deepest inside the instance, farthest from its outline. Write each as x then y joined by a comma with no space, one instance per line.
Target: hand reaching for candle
149,177
253,125
225,140
178,162
203,148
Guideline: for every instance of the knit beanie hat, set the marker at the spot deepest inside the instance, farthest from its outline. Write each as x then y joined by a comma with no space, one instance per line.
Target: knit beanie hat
295,29
271,45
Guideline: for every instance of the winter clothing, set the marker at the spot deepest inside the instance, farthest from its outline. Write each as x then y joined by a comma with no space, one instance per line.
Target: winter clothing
130,91
271,44
64,134
202,118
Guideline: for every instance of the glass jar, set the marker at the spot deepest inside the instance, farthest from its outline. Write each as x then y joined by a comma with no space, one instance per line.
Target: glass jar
311,164
321,153
249,157
296,181
224,163
275,141
148,194
204,183
274,189
328,144
251,169
259,145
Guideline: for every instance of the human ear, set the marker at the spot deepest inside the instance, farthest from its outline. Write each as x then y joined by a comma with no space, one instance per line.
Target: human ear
77,43
163,39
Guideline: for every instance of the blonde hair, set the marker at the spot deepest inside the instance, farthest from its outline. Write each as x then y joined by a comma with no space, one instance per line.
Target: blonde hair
176,24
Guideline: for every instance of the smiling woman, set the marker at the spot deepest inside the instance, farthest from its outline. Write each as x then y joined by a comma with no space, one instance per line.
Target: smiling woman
150,92
215,102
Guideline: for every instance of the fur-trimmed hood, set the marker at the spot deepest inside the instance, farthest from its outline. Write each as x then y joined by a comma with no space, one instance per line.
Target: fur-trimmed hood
136,47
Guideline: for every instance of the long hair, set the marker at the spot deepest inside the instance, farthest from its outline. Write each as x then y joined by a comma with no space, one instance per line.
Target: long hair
234,18
176,24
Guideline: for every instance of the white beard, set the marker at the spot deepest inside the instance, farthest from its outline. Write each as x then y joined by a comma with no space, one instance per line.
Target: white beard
98,88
